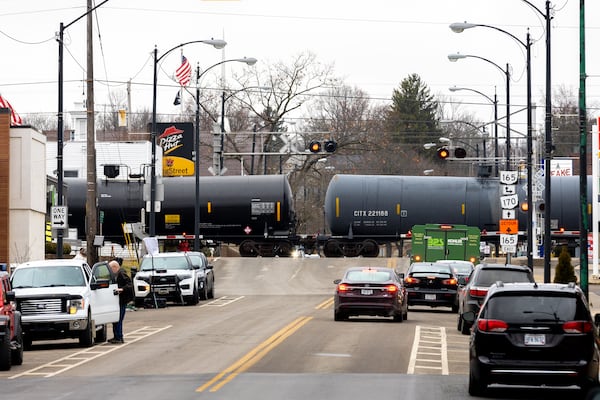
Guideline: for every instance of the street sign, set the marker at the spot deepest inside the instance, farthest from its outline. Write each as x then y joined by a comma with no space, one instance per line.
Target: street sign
509,226
509,189
509,214
509,177
509,202
59,217
509,243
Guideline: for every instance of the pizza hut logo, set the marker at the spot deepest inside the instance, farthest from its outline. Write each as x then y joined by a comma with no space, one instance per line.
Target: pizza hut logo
171,139
169,162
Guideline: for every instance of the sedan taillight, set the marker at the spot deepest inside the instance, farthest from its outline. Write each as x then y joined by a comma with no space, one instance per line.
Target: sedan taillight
491,325
577,327
410,280
450,282
391,288
476,292
342,287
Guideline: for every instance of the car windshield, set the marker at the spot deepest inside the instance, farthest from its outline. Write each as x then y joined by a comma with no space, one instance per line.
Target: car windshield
427,269
487,277
368,275
48,276
157,262
538,308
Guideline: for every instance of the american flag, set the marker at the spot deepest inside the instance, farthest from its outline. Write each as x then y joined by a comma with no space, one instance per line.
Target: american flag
15,119
184,72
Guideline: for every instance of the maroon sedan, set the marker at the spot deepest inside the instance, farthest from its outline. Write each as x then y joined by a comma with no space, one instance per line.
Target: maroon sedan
376,291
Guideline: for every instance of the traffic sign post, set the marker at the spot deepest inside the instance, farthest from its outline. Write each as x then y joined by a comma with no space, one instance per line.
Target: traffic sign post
509,225
59,217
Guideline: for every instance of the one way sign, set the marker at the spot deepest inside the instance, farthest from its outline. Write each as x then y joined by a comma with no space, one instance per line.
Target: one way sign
59,217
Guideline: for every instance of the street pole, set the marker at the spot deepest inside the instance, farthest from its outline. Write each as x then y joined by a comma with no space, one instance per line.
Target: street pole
60,126
530,232
583,231
197,164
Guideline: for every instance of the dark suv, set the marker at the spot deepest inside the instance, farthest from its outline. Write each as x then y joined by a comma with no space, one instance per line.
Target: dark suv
11,335
471,296
532,334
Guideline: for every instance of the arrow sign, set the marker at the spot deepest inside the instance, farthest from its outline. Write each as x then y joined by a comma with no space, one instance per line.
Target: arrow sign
59,217
509,226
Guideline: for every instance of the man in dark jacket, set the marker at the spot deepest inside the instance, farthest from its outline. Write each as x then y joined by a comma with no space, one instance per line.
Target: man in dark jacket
125,290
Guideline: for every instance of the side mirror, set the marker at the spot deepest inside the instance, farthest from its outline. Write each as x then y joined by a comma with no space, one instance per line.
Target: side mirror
597,320
10,296
337,281
100,284
462,280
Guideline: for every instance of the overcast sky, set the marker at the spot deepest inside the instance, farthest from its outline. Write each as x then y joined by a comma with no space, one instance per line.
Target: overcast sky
373,45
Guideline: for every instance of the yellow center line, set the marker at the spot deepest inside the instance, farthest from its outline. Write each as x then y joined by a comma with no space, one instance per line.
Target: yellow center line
324,304
253,356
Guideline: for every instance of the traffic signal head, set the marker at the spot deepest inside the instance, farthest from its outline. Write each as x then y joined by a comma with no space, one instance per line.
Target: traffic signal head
314,146
443,153
459,152
330,146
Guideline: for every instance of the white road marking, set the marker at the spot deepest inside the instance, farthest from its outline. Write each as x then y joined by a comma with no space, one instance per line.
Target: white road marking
81,357
429,351
222,301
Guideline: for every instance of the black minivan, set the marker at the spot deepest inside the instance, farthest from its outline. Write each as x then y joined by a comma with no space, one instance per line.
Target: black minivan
535,335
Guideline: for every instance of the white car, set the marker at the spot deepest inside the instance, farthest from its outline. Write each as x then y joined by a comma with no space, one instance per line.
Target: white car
181,277
65,298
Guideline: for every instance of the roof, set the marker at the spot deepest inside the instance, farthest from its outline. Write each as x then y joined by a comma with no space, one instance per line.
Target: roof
53,262
527,287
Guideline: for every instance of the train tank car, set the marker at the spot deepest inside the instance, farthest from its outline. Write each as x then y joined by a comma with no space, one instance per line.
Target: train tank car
255,212
364,211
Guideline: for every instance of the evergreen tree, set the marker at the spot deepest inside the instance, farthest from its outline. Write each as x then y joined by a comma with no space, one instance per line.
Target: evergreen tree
565,272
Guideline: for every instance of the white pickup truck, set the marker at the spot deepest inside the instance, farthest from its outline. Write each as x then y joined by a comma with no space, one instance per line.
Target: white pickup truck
65,298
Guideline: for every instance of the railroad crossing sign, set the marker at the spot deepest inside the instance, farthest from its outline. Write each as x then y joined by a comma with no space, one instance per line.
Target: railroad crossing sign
59,217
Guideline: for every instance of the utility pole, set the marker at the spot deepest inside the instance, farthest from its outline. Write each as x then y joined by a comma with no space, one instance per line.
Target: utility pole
91,218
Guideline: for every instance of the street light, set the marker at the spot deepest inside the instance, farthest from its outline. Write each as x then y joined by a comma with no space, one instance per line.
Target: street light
60,129
460,27
217,44
246,60
506,72
494,102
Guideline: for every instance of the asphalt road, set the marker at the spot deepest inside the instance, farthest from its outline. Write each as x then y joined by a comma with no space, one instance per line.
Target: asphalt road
268,334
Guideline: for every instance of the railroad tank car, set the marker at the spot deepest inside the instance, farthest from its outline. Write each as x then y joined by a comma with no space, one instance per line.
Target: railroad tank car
364,211
255,212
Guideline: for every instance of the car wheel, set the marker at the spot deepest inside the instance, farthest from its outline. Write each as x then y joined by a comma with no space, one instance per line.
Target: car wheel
5,356
101,334
477,386
17,354
194,298
204,292
460,323
339,316
465,328
399,317
86,337
455,308
211,292
27,342
139,302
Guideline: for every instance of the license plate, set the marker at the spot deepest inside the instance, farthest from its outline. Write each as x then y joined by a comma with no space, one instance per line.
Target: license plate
366,292
534,339
430,297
